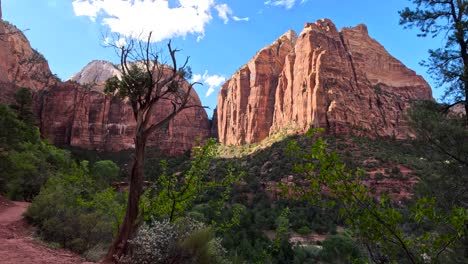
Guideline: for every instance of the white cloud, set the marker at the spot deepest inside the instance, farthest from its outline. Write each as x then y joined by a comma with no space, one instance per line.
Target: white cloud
236,18
286,3
213,81
137,18
224,11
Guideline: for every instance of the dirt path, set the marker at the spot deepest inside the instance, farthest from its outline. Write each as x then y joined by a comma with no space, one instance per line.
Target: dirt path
16,243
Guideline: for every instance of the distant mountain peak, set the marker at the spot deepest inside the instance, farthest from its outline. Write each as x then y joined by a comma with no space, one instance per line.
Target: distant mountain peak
96,73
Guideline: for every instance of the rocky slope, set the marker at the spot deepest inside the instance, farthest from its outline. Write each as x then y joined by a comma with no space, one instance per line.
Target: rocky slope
342,81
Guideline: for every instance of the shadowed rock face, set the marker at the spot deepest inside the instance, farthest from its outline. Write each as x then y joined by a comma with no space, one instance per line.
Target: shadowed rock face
92,120
342,81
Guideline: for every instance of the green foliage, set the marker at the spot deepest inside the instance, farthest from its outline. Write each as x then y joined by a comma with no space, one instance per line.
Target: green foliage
282,228
172,195
305,230
444,132
23,98
72,211
26,161
379,223
448,65
14,131
134,84
340,249
104,172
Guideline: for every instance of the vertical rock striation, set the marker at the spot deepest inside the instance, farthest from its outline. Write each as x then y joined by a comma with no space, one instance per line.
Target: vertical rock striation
342,81
71,115
245,101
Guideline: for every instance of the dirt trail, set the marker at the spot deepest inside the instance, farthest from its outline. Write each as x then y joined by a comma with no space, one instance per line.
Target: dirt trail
16,243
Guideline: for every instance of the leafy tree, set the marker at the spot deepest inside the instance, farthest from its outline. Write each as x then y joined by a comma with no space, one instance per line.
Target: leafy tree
26,161
380,224
172,195
340,249
449,66
104,171
14,131
148,84
446,134
23,98
73,211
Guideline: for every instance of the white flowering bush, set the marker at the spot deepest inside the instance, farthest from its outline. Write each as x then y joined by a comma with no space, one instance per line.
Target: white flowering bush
186,241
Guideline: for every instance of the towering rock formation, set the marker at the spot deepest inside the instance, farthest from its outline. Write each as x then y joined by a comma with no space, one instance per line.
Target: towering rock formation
20,65
342,81
246,101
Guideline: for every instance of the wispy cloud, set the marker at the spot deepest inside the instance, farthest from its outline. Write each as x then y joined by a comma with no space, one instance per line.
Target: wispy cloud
224,11
138,17
213,81
286,3
236,18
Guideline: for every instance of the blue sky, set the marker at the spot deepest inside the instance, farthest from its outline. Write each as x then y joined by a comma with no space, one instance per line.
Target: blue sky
219,35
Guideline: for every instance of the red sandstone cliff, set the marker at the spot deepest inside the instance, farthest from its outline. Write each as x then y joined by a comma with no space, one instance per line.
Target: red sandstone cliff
246,101
72,115
20,65
342,81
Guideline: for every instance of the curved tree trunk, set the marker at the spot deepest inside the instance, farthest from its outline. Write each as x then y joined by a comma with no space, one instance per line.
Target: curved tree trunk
130,224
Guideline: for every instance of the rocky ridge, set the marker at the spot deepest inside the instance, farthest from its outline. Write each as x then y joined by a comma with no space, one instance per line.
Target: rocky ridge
343,81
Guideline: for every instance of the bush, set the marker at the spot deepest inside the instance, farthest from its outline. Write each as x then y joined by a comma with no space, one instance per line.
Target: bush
305,230
26,161
186,241
340,249
72,211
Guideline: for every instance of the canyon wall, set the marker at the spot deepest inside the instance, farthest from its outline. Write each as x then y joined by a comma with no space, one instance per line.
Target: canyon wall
78,114
74,116
345,82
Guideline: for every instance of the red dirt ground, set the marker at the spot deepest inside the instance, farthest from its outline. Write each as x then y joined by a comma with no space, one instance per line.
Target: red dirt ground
17,245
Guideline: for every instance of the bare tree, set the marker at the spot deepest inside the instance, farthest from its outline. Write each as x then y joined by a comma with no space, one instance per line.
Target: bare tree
148,84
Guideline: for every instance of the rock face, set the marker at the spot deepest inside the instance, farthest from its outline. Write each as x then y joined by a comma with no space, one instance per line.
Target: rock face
20,65
72,115
246,101
75,115
342,81
95,74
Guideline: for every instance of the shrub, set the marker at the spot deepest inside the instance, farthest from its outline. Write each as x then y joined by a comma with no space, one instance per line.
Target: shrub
186,241
340,249
305,230
72,211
